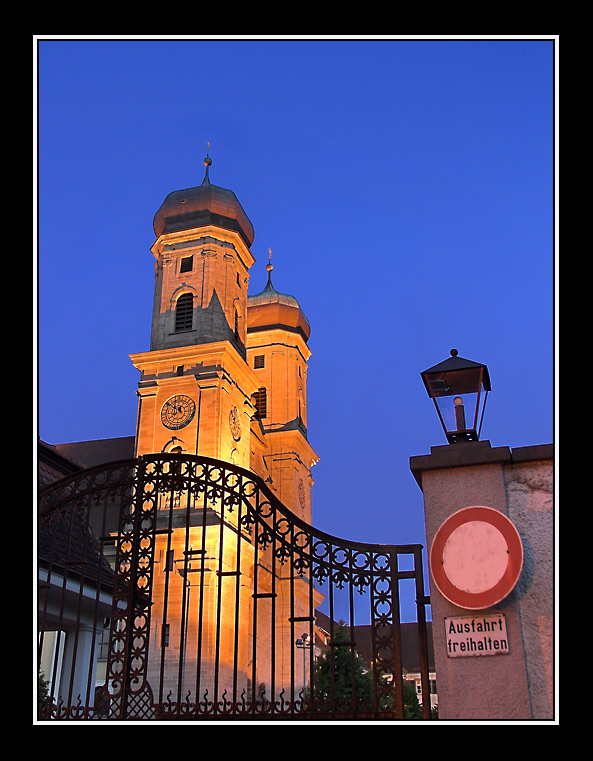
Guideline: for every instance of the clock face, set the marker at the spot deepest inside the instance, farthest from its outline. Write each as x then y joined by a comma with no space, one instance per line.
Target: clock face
235,423
177,412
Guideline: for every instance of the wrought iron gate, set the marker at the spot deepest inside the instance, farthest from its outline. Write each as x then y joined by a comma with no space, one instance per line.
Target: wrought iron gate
179,587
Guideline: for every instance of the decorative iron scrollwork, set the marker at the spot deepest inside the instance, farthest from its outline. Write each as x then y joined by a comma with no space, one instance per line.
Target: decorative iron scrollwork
208,582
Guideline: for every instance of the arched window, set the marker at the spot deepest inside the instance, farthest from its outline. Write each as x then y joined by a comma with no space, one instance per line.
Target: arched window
184,313
260,400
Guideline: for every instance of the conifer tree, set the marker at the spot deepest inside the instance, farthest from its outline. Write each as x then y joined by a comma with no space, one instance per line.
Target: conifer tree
351,687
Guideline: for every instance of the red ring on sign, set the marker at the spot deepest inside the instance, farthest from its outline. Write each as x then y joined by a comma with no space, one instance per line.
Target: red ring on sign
489,597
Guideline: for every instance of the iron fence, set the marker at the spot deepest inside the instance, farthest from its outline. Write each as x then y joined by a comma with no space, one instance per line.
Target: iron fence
178,587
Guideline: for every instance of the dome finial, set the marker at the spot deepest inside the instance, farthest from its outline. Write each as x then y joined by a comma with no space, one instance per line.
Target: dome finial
207,164
269,268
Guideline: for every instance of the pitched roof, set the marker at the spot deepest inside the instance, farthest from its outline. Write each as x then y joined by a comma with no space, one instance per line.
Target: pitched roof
409,642
98,451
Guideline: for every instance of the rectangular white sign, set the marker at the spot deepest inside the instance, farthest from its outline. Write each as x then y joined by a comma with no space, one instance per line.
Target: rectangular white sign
476,635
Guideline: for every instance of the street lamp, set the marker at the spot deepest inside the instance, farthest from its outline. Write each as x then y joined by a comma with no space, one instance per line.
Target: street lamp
459,388
303,642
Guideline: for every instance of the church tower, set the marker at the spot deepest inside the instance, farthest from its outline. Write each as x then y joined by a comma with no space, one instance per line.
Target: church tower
277,350
226,373
195,391
225,378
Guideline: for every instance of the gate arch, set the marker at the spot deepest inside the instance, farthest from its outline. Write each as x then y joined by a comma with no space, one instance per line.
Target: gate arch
173,586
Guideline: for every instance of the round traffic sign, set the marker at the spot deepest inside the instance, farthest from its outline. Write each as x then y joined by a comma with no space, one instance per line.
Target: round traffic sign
476,557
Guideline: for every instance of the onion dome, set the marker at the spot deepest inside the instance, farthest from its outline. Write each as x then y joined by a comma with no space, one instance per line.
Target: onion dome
206,204
271,309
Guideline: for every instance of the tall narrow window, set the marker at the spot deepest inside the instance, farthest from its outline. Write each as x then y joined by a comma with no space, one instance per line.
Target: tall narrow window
260,400
184,313
236,325
187,264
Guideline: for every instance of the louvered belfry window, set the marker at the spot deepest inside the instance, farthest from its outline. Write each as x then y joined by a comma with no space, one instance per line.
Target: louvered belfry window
260,399
186,264
183,313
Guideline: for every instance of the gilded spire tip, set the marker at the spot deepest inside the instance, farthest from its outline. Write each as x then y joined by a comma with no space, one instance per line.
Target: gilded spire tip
269,268
207,164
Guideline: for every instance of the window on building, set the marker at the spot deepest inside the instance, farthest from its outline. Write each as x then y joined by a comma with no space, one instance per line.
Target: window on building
259,361
260,400
236,325
104,640
184,313
165,635
187,264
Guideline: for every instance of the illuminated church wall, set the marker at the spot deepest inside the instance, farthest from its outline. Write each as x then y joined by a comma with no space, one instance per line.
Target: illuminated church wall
225,378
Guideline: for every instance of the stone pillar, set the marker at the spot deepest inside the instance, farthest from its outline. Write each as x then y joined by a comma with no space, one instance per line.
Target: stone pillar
483,676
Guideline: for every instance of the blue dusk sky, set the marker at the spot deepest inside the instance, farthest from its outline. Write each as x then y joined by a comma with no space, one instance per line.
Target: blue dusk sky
405,187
